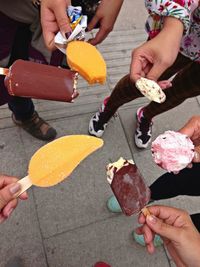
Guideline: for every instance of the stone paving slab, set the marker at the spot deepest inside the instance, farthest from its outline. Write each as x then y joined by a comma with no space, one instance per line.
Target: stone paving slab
107,240
20,235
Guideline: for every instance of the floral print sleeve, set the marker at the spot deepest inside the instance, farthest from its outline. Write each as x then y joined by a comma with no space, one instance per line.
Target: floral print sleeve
158,9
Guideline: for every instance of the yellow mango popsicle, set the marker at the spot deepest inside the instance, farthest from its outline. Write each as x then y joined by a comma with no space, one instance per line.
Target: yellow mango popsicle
87,61
56,160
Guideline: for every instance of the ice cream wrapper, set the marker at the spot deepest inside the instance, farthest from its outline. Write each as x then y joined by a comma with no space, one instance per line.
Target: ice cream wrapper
78,23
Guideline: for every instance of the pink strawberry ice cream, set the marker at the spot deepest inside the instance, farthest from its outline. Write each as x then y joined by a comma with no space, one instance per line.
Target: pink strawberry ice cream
172,151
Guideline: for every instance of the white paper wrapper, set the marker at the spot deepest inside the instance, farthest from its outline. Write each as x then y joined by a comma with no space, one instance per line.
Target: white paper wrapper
77,34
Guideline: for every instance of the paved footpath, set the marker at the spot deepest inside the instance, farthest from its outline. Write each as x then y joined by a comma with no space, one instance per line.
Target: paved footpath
69,225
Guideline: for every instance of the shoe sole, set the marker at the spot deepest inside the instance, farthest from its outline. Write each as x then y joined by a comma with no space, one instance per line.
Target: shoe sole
139,145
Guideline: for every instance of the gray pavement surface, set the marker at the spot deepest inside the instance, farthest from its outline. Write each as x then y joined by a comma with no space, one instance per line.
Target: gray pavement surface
68,225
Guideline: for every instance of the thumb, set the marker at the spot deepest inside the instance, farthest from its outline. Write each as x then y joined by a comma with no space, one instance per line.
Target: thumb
161,228
62,19
155,72
8,193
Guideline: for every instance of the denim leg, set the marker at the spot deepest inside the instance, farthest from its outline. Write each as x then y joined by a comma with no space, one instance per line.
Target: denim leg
22,108
4,96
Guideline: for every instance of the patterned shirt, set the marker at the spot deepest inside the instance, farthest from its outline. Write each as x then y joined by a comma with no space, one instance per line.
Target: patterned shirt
186,11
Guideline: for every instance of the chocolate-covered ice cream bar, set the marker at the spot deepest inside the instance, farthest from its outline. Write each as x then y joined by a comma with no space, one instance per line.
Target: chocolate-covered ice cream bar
29,79
128,186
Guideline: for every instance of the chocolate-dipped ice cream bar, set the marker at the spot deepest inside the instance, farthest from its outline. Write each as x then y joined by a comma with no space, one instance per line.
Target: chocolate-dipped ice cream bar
128,186
29,79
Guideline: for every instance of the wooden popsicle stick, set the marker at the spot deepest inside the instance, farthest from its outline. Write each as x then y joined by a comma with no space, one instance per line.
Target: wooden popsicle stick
4,71
25,184
145,211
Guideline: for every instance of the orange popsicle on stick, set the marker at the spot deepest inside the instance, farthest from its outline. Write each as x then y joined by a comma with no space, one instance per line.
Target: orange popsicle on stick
56,160
87,61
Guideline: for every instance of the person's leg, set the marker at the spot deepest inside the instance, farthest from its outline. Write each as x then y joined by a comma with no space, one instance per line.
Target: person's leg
24,114
7,32
124,92
169,185
22,108
186,84
175,95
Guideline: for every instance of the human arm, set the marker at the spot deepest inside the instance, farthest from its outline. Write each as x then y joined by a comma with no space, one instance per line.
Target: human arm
106,16
167,22
153,57
53,19
192,129
180,236
8,189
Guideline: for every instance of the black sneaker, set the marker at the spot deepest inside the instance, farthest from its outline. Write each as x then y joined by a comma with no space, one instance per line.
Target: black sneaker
143,132
97,125
37,127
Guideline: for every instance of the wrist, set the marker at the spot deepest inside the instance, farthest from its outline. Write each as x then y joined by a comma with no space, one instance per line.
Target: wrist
172,25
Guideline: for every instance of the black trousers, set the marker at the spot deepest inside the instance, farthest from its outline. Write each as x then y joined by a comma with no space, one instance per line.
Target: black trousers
186,84
186,182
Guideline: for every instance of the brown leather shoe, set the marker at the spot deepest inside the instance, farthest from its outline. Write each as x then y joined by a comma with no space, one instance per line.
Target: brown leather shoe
37,127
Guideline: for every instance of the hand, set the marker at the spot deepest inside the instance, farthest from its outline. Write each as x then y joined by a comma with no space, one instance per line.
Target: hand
106,16
180,236
8,190
53,19
152,58
192,130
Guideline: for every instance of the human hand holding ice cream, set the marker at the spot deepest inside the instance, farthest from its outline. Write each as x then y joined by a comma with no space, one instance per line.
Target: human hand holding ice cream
56,160
192,129
53,19
180,236
8,201
174,151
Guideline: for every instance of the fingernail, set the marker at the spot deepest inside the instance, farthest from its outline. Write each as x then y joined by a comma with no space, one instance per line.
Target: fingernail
151,218
67,34
9,212
15,188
